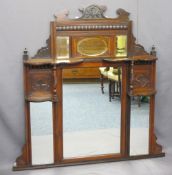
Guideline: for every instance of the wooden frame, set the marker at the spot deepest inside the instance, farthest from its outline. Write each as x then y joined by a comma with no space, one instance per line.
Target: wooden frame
43,82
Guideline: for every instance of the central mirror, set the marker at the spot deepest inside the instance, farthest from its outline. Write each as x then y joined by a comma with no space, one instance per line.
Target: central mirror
91,117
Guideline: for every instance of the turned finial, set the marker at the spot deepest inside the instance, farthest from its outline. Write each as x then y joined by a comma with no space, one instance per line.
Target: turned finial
153,51
25,54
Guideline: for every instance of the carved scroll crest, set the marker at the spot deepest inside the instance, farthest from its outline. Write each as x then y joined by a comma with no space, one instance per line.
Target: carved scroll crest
93,12
123,14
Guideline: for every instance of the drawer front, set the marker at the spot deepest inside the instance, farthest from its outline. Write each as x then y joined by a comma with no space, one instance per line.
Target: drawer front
81,73
39,83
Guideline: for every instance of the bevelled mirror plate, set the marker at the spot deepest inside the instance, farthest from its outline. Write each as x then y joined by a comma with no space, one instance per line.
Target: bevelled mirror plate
91,123
139,131
41,133
121,45
62,47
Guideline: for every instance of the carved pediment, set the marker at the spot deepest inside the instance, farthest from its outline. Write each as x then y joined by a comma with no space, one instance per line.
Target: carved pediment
97,12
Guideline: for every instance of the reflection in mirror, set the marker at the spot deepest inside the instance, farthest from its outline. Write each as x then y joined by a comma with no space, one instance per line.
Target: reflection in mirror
91,123
41,133
139,133
121,46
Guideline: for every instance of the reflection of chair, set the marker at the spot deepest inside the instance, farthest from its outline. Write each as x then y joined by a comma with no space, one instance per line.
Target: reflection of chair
138,100
114,77
103,74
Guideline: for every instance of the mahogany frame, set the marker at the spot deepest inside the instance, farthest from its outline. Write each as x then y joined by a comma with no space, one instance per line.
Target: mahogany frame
43,66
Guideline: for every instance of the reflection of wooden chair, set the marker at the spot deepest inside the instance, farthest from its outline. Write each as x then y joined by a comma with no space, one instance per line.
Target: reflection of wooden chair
138,100
114,77
103,74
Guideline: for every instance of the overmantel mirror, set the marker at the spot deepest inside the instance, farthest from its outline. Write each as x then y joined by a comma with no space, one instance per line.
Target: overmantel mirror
89,94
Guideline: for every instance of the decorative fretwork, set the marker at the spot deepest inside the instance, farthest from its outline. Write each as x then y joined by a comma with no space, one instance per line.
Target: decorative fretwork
136,49
44,52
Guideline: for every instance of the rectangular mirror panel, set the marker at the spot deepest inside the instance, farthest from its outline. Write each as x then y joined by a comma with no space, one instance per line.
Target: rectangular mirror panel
139,131
62,47
41,133
91,123
121,46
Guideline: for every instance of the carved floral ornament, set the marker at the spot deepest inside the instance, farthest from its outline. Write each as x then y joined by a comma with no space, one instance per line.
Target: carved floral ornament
93,12
142,80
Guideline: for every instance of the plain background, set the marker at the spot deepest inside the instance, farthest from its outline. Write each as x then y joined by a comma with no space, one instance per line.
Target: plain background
26,24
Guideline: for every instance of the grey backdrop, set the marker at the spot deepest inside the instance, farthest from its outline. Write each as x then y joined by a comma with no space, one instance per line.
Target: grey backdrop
26,24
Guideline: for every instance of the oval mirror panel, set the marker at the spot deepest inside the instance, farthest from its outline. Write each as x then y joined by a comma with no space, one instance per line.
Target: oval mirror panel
92,46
